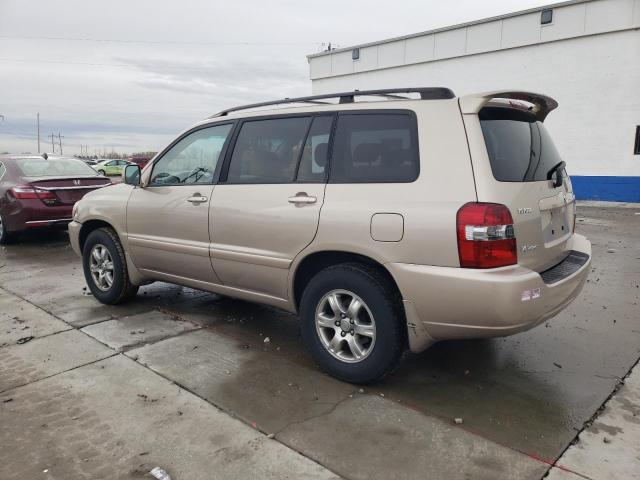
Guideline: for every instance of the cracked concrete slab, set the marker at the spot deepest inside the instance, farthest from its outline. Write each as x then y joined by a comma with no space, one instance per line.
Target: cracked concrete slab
609,448
117,419
560,474
369,437
20,319
137,329
43,357
244,379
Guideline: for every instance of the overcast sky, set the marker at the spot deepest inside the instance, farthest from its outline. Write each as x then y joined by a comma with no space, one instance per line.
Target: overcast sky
131,74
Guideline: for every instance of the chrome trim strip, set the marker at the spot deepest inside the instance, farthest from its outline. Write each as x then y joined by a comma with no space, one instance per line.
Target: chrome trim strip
251,258
199,249
41,222
83,187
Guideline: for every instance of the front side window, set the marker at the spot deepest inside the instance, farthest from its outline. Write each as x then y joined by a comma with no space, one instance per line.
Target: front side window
193,159
267,151
375,148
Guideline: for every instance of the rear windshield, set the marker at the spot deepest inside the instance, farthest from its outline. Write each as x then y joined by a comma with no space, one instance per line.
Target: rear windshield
54,167
519,147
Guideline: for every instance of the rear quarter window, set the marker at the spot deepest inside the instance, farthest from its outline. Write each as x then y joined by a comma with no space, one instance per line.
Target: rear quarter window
375,148
520,149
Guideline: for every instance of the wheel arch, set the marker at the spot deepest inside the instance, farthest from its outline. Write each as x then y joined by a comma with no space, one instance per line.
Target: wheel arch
90,226
311,264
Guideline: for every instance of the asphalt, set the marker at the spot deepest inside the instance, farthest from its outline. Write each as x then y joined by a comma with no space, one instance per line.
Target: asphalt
520,402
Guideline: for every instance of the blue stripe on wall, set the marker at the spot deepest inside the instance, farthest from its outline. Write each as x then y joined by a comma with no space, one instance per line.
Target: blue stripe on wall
612,189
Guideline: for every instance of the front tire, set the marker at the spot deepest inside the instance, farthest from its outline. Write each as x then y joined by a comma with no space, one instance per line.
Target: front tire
352,323
102,172
105,268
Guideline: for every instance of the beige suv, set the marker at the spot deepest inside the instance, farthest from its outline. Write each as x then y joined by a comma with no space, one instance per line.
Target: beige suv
384,220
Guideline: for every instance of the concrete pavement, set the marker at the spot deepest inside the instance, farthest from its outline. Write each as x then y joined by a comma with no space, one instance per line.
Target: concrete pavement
522,400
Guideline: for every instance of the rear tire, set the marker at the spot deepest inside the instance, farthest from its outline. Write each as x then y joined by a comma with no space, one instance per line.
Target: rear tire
6,237
105,268
364,339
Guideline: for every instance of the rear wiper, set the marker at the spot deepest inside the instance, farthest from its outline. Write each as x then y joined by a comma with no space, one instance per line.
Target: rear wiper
557,168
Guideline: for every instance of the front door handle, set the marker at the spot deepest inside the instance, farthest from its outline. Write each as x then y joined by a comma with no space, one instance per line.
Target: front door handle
197,198
302,198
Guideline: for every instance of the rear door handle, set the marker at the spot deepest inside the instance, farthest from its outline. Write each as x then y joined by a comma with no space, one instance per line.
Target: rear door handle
301,198
197,198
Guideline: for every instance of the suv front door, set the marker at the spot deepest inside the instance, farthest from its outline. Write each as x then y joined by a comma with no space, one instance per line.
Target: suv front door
167,220
266,208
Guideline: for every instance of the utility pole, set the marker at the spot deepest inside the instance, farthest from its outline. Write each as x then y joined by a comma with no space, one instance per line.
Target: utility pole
53,145
60,137
38,132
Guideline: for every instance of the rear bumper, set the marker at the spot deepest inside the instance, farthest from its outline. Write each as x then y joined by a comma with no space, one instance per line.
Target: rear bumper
28,214
451,303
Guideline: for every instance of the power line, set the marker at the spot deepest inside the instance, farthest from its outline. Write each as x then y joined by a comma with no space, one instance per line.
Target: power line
18,60
60,137
52,136
154,42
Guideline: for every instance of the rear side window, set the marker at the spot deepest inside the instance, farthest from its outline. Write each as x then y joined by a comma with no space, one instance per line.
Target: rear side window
375,148
519,147
267,151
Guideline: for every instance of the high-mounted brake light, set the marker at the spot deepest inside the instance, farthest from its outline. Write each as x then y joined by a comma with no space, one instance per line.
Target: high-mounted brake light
486,238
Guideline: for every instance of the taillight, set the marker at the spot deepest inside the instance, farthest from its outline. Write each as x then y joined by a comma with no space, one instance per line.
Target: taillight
486,238
27,192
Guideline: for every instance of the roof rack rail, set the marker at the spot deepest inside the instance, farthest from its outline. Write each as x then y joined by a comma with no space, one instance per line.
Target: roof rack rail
430,93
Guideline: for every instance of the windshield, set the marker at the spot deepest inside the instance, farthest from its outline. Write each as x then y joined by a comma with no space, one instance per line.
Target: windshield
519,147
54,167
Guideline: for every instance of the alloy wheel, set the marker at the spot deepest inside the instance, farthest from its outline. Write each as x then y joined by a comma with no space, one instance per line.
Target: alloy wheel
101,267
345,326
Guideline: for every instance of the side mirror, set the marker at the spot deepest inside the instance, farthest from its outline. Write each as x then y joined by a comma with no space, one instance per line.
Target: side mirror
131,175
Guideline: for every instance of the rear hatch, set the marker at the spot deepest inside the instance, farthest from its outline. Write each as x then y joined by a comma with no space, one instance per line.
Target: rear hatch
516,164
64,191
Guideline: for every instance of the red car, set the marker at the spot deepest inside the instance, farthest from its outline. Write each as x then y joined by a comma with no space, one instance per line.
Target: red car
40,191
140,161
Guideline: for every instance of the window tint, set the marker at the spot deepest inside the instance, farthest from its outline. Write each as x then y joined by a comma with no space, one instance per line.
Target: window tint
519,147
267,151
193,159
375,148
314,154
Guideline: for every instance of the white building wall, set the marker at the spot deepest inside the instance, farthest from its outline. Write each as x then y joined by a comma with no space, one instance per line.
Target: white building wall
594,76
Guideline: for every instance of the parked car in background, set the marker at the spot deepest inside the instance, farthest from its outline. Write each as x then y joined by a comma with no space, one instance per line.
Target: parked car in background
383,224
140,161
38,192
110,167
89,161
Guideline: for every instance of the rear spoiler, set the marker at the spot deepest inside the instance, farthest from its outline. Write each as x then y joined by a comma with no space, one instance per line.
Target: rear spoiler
542,105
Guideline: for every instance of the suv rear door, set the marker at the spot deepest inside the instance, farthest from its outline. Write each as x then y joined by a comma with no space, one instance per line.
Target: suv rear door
265,209
516,164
